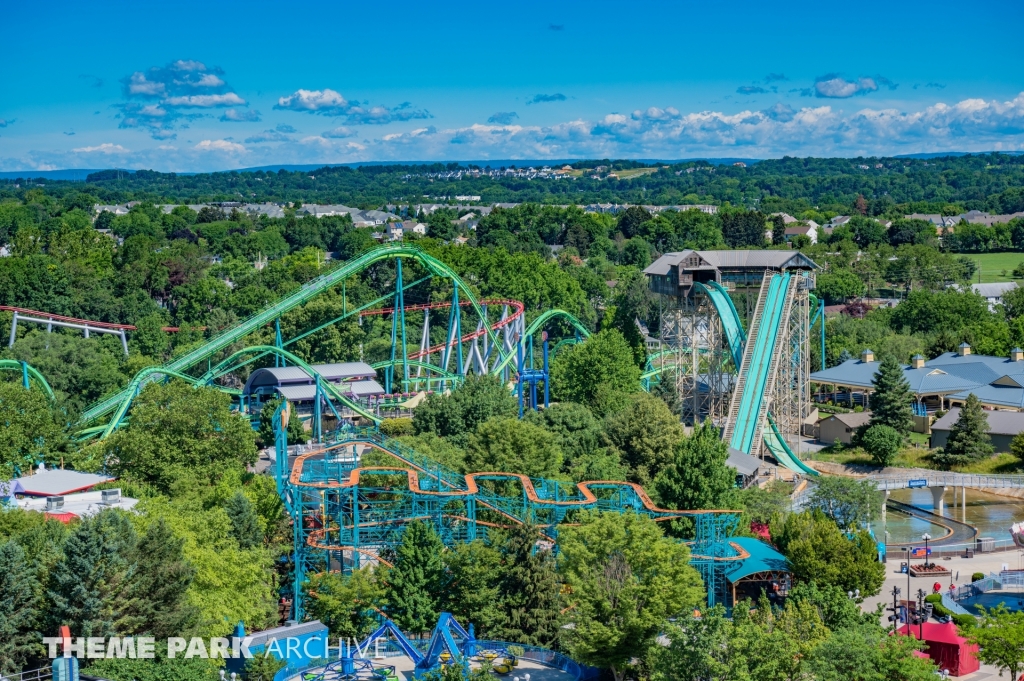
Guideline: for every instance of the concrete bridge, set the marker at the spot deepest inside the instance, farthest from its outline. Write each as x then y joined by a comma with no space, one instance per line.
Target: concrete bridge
939,482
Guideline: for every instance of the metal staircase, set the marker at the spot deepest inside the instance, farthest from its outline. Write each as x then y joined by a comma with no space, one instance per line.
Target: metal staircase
773,372
748,352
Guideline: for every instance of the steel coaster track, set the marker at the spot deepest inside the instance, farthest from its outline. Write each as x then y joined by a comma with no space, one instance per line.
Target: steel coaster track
308,291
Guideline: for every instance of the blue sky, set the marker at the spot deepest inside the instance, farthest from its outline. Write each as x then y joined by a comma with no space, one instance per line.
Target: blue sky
216,85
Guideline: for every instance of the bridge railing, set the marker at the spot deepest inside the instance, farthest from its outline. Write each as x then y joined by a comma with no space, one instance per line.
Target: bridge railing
941,479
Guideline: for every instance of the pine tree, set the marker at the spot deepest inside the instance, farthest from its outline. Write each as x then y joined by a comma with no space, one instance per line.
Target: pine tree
698,476
415,582
90,587
245,524
18,610
778,230
968,438
162,578
528,590
845,356
891,401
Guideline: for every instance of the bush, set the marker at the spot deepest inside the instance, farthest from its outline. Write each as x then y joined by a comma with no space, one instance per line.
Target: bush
397,427
977,575
965,621
882,443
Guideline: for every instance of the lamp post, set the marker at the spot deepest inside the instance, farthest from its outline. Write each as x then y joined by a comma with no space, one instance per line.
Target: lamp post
895,607
920,614
926,537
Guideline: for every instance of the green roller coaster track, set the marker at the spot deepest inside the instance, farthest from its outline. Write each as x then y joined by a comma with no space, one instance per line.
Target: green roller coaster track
28,374
305,293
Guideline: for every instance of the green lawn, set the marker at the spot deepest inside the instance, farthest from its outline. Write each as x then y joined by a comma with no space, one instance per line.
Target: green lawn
992,265
919,457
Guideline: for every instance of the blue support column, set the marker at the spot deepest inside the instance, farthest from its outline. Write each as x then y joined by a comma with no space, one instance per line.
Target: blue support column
24,374
519,366
317,412
547,375
278,343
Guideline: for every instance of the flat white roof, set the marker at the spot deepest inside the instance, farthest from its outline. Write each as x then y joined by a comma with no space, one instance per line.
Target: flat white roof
48,483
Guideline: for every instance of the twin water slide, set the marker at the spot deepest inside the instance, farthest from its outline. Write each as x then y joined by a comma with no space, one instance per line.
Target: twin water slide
754,361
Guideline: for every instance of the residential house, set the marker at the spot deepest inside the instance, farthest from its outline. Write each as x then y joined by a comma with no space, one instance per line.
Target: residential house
808,229
994,292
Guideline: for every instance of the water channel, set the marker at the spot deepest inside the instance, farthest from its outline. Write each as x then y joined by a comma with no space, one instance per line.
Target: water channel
991,514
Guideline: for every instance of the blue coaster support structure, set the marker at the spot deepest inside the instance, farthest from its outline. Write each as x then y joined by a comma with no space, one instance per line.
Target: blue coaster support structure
343,513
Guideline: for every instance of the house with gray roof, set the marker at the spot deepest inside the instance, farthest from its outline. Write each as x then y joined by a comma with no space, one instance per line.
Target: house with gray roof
675,273
1003,426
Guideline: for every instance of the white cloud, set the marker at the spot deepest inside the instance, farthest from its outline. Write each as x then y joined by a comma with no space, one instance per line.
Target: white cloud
315,140
837,87
138,84
105,148
206,101
267,136
249,116
340,132
330,103
319,101
188,65
221,145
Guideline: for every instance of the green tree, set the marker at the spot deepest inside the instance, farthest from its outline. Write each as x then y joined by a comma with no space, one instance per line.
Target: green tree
19,609
456,415
159,590
296,434
891,400
625,579
1000,638
472,595
646,435
528,589
631,219
699,649
778,227
819,551
593,372
263,668
866,653
698,476
180,433
743,228
1017,446
507,444
577,431
345,603
416,581
778,643
968,438
838,285
245,524
837,609
848,502
882,443
90,587
29,434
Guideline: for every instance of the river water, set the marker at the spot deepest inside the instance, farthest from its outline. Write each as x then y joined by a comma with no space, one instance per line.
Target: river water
991,514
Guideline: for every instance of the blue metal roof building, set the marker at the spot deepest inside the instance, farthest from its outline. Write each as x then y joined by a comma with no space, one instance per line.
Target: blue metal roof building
949,378
763,568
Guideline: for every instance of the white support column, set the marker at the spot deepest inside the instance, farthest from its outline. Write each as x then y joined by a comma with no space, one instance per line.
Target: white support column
14,329
963,504
937,502
885,499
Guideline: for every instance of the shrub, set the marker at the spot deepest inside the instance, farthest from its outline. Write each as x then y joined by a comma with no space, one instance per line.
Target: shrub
882,443
397,427
977,575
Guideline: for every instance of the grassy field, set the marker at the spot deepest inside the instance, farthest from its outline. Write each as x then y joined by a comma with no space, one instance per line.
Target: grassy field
920,457
992,266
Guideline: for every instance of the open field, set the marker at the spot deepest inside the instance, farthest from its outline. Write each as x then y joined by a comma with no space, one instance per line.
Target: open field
991,266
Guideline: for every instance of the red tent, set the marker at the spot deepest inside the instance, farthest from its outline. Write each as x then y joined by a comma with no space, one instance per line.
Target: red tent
946,648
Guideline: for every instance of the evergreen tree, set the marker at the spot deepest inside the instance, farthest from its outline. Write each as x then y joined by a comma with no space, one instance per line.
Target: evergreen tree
245,524
844,356
778,225
698,476
968,438
296,434
528,590
891,400
90,587
162,578
18,610
416,581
